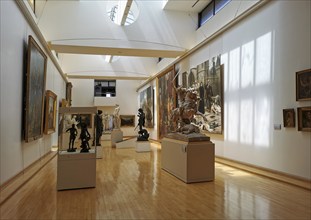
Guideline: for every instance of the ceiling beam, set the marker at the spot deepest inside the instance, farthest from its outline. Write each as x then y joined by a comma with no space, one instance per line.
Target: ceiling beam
107,77
74,49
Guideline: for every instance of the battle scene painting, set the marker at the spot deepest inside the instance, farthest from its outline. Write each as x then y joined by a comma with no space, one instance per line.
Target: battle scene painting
207,80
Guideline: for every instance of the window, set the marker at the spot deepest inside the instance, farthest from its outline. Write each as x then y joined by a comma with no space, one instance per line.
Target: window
210,10
219,4
105,88
117,9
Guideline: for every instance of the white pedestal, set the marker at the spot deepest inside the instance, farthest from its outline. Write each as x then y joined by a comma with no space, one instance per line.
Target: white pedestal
99,152
76,170
106,137
116,136
189,161
142,146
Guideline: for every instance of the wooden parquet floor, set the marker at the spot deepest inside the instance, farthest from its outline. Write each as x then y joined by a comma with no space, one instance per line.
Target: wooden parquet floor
132,185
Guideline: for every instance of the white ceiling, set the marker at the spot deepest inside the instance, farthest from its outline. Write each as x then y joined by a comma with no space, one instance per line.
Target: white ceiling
125,42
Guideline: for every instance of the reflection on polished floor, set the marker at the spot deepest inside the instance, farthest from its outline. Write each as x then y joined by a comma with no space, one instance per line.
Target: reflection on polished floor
132,185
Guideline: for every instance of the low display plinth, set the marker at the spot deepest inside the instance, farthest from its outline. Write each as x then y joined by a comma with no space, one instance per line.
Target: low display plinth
76,170
142,146
106,137
190,161
99,152
116,136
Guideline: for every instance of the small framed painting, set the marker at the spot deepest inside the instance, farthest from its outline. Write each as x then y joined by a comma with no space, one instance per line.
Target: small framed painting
304,118
127,120
50,112
289,118
303,85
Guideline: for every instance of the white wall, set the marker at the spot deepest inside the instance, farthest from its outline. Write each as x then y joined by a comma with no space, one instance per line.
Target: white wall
126,97
15,153
261,55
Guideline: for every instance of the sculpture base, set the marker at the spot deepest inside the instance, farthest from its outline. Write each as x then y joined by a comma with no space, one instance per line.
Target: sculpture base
99,152
189,161
142,146
193,137
116,136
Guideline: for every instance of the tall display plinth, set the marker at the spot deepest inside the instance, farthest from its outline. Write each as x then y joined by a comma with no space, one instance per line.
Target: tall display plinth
76,170
76,161
191,161
142,146
116,136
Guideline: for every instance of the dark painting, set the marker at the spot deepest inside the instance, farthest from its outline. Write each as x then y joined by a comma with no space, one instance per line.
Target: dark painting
303,85
127,120
35,91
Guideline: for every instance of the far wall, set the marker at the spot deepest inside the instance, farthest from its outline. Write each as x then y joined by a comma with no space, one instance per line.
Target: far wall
126,98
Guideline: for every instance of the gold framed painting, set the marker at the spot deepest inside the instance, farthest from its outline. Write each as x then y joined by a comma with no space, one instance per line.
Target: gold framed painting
69,93
127,120
289,118
35,91
304,119
50,112
303,85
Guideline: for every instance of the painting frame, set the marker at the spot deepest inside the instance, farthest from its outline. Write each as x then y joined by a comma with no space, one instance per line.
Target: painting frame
304,118
50,112
303,85
127,120
289,118
35,91
69,93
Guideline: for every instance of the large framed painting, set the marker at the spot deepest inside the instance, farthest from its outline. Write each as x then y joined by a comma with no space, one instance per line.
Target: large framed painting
303,85
127,120
289,118
209,87
166,102
50,112
304,119
146,103
35,91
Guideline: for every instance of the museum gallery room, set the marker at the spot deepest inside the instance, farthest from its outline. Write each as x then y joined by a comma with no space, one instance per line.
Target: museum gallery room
155,109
